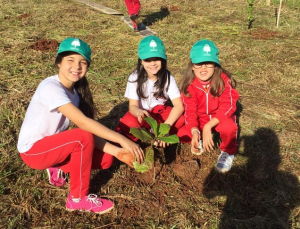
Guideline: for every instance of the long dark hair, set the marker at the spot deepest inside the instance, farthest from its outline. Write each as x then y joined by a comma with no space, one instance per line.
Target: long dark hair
217,83
86,103
163,77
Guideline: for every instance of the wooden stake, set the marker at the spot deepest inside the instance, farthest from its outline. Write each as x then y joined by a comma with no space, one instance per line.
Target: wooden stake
278,15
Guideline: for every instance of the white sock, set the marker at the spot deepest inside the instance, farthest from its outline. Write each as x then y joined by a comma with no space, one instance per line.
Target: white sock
76,200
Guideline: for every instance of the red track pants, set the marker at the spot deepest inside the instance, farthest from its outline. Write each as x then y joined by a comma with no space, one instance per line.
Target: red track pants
133,6
160,113
73,151
227,130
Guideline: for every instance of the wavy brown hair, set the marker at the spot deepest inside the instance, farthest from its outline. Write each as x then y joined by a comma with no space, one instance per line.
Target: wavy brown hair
163,77
86,103
217,83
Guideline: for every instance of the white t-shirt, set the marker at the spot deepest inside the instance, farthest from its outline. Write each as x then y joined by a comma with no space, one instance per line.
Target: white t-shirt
42,117
149,90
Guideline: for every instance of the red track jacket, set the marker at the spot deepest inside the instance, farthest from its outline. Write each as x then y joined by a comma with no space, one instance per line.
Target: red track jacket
201,106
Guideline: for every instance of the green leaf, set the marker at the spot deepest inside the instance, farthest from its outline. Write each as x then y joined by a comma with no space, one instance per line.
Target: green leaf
163,129
153,125
149,154
141,134
147,136
148,162
170,139
142,168
137,133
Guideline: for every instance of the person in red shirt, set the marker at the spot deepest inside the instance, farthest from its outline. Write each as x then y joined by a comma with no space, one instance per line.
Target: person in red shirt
209,98
133,8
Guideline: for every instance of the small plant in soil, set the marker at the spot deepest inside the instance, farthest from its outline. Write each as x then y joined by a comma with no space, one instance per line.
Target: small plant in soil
250,13
150,138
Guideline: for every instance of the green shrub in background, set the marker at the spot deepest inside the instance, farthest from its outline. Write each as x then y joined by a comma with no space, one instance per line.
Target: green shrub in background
250,13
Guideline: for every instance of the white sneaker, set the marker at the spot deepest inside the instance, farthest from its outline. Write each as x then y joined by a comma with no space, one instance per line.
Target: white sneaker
224,162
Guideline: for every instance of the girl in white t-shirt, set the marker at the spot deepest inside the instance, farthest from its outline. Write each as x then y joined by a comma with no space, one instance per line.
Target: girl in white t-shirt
148,89
46,143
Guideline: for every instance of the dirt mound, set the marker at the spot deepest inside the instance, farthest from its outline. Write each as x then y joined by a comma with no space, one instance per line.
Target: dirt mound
20,17
45,45
187,170
264,34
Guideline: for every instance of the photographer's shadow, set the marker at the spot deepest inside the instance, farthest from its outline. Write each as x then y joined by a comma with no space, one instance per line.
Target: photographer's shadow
258,194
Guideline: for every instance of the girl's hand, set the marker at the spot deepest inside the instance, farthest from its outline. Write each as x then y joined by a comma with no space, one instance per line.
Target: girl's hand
208,143
141,114
160,143
136,151
195,140
125,156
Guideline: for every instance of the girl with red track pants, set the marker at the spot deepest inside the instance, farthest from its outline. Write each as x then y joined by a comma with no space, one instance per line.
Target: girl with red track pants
133,8
46,143
209,98
148,89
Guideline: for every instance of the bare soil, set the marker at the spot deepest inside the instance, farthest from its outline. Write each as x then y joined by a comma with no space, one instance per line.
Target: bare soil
264,34
45,45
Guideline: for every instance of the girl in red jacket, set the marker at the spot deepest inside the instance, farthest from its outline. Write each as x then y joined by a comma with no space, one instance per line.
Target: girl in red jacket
209,98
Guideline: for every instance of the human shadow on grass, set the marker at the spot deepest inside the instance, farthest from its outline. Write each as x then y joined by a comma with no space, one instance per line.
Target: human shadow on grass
258,194
101,177
112,119
150,19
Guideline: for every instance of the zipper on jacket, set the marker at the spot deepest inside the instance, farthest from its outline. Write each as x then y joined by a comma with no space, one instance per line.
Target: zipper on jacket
206,102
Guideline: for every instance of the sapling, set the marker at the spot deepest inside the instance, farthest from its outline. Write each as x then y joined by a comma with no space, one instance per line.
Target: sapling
250,13
158,132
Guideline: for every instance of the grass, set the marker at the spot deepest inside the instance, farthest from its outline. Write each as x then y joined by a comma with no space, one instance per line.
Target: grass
261,191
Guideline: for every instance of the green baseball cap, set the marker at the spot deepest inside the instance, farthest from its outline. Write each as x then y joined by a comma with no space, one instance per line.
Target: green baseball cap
151,46
203,51
75,45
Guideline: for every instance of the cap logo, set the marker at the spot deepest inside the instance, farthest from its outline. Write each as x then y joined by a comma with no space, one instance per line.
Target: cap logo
153,45
76,43
207,49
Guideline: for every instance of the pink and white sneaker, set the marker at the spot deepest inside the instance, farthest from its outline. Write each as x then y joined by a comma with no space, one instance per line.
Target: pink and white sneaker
90,203
56,176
